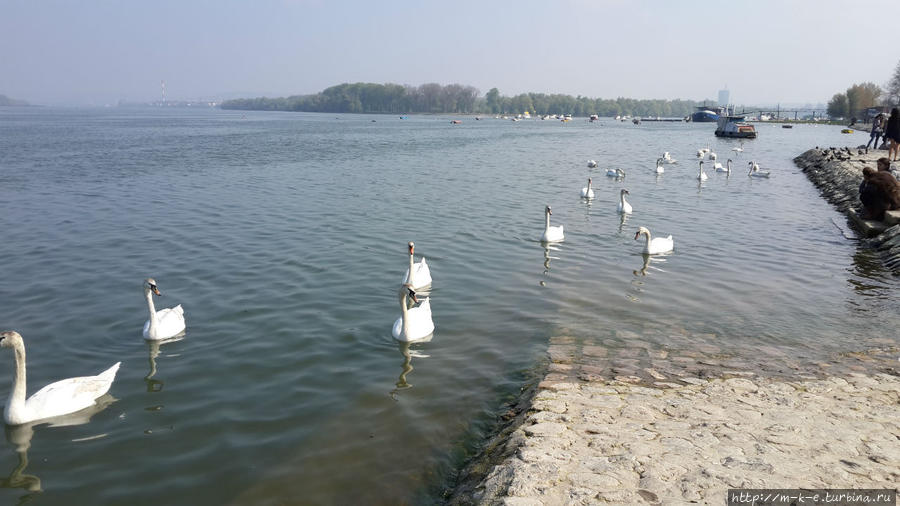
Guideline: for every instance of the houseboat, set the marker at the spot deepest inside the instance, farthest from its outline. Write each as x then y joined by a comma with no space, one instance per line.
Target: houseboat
734,126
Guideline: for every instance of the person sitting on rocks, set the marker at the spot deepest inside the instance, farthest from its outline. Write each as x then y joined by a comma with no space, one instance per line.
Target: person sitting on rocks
884,165
878,192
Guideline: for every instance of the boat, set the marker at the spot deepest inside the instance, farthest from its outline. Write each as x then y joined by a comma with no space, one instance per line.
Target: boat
705,114
847,131
734,126
787,126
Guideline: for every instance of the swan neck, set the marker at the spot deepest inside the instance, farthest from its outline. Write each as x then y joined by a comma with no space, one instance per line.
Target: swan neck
16,399
404,315
412,264
153,322
546,221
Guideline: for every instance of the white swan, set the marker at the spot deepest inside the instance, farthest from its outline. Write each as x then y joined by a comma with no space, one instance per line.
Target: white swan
623,207
727,167
713,156
615,172
592,164
755,172
667,157
551,234
417,274
659,168
414,323
739,149
587,192
165,323
56,399
702,175
657,245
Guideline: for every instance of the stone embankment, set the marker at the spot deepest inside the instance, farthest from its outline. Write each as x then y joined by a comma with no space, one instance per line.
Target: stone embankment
648,426
837,173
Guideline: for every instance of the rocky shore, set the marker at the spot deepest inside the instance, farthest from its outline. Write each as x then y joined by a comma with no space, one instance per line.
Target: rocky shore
837,174
687,428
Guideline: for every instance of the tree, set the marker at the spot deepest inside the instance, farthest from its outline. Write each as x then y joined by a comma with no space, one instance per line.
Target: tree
893,87
493,100
837,106
862,96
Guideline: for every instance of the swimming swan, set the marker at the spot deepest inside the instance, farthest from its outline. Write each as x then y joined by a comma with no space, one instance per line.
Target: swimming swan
623,207
56,399
659,168
421,274
587,192
702,175
551,234
755,172
414,324
667,157
592,164
164,323
655,246
615,172
727,167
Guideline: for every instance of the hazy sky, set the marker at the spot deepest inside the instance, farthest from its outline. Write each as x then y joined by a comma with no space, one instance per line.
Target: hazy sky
79,52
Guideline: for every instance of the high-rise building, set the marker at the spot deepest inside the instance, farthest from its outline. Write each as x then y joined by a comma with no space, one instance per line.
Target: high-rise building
723,96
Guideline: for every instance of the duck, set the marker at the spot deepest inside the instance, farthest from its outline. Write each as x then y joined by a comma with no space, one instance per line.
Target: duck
414,323
755,172
702,175
659,168
165,323
623,207
56,399
615,172
592,164
551,234
657,245
587,192
727,167
417,274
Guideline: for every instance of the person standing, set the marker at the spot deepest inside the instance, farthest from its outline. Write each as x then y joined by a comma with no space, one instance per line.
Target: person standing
892,133
877,130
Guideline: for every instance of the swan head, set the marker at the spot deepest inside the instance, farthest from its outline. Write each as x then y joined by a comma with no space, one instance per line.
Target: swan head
641,231
547,210
9,338
589,181
406,290
150,286
623,191
412,247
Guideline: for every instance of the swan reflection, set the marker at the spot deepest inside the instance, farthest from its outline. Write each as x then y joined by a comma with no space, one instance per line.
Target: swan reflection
19,437
408,354
156,385
548,257
623,218
648,260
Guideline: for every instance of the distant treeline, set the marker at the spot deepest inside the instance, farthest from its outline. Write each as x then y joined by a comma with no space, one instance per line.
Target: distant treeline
6,101
456,98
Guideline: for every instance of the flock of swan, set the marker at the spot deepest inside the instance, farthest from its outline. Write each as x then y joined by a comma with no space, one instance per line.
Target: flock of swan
74,394
414,324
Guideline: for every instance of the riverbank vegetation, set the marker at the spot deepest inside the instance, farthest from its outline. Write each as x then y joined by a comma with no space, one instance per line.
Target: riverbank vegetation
860,97
433,98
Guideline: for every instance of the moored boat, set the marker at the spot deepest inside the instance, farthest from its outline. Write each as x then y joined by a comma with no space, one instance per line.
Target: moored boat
734,126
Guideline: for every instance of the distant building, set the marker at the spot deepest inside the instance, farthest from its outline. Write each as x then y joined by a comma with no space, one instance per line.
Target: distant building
723,97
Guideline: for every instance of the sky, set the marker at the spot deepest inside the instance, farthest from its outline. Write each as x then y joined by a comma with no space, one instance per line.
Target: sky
98,52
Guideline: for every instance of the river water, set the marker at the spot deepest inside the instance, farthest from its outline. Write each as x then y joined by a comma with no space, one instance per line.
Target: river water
284,238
